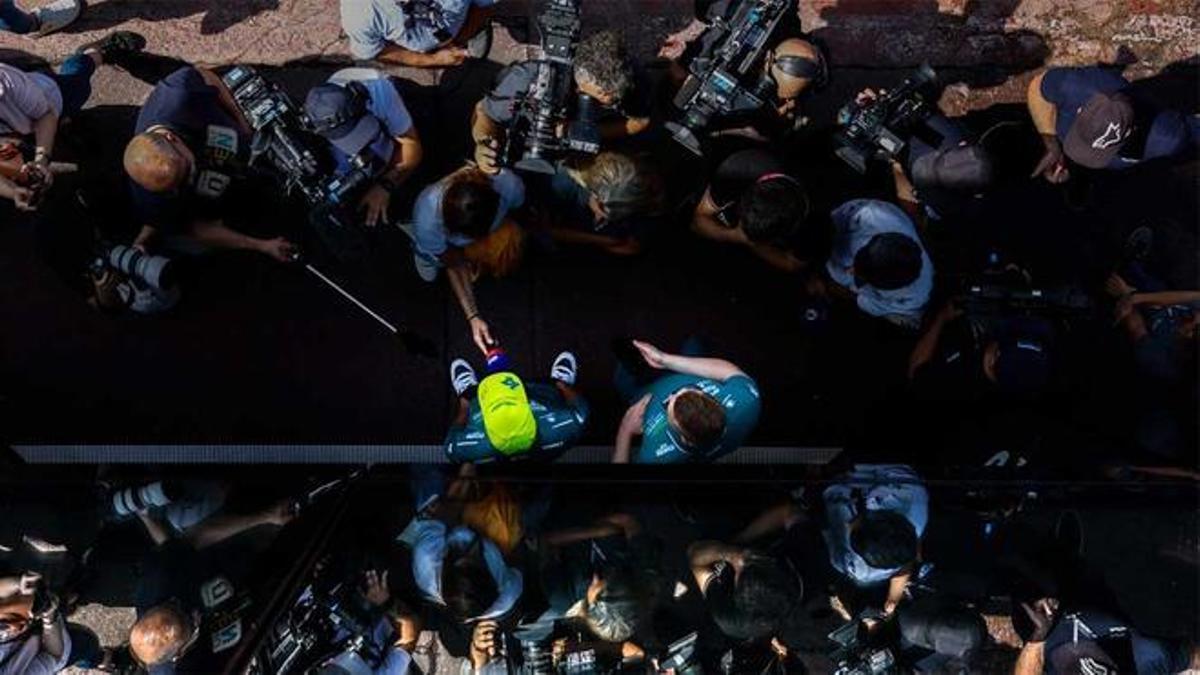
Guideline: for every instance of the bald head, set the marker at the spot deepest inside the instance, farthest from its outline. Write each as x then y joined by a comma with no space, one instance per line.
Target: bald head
154,162
791,86
159,635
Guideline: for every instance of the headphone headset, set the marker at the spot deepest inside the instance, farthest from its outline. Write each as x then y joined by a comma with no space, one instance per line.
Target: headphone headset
355,109
814,69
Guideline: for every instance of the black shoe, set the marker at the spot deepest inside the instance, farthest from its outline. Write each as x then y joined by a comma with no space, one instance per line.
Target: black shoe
1139,244
116,46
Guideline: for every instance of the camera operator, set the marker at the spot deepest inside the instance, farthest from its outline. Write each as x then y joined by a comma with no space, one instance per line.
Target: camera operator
685,407
360,112
507,418
418,33
957,358
462,223
175,583
190,150
878,259
603,71
611,201
391,657
33,103
750,596
1093,118
754,200
35,639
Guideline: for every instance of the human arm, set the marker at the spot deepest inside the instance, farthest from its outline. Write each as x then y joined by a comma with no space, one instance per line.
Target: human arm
897,586
612,130
459,274
613,245
702,555
1045,119
1031,659
220,527
442,58
774,519
631,427
45,131
926,346
406,156
698,366
1160,298
488,137
54,640
483,644
216,234
22,197
225,97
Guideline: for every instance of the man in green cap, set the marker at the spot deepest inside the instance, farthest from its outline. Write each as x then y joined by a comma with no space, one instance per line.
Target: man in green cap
504,417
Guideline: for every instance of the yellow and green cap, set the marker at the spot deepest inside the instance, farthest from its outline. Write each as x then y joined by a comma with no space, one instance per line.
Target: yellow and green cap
507,418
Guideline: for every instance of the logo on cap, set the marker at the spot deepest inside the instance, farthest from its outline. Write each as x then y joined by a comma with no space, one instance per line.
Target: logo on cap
1112,136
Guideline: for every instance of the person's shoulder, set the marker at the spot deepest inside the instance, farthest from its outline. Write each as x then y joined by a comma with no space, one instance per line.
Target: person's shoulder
187,78
358,14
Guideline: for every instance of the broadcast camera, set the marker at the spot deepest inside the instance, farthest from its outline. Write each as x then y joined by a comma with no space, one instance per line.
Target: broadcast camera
294,156
724,80
529,649
328,621
882,127
1005,290
532,142
856,653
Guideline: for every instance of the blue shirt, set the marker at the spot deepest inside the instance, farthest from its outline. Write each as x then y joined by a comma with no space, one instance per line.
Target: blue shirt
855,223
431,543
384,102
559,426
883,487
429,230
1168,133
662,445
416,25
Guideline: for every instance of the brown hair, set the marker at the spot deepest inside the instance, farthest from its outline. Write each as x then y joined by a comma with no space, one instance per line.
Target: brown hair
700,417
469,203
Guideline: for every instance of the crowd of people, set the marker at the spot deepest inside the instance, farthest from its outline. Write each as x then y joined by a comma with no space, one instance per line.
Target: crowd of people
479,559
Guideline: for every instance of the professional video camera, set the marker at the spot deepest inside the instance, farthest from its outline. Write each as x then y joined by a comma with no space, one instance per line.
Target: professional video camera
529,650
856,653
726,78
532,142
294,156
1004,289
125,277
327,622
882,127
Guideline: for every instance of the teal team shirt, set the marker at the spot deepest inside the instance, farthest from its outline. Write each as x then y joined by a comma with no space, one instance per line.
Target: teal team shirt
559,426
661,445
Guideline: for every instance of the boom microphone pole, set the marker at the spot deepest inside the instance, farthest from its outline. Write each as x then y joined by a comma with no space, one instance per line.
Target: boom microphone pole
415,344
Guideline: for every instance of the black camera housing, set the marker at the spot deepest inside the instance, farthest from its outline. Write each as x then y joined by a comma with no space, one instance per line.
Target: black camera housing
881,128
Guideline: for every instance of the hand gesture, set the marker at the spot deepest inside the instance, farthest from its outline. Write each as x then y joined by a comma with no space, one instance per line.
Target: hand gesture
1042,614
280,513
450,56
654,356
25,199
483,643
40,174
1053,166
375,202
279,249
376,591
672,47
482,334
487,155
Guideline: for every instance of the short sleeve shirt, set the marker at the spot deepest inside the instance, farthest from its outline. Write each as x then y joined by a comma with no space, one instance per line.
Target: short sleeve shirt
432,237
559,426
739,397
855,223
1166,132
385,103
25,98
187,105
416,25
880,487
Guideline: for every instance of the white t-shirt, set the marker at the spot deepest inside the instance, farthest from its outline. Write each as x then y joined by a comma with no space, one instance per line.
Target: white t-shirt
432,237
416,25
25,98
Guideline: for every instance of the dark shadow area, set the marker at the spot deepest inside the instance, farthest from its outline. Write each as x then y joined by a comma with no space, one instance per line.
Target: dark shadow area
23,59
217,16
1176,87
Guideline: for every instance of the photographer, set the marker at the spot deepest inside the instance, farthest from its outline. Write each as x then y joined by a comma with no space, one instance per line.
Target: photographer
418,33
32,104
185,162
360,112
506,418
610,201
35,639
752,200
180,580
603,71
1092,117
878,258
685,407
958,358
462,223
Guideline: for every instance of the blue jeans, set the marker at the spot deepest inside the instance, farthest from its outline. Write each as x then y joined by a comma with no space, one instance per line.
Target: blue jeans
14,19
74,79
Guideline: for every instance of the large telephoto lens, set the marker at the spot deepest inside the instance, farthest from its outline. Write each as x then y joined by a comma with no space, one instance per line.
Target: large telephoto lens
133,500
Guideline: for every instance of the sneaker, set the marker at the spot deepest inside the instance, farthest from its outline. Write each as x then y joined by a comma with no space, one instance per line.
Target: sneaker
116,45
462,376
480,44
427,270
56,16
565,368
1139,244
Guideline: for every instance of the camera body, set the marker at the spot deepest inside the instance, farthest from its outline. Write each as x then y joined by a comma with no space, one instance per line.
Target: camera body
532,141
326,622
856,654
881,128
126,278
293,154
724,79
529,650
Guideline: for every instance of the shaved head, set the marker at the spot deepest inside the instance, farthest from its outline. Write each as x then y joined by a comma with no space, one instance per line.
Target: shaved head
789,86
155,163
159,635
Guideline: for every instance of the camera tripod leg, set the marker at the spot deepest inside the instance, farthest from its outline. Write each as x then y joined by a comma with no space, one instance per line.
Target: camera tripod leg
351,298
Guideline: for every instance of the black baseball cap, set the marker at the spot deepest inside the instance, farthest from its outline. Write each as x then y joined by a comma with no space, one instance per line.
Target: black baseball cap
962,167
339,114
1084,657
1100,128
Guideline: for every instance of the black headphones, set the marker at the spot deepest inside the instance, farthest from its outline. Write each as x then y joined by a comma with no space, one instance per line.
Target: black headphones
814,69
356,108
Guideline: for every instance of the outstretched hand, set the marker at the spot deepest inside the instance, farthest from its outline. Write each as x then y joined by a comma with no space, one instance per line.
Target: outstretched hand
653,356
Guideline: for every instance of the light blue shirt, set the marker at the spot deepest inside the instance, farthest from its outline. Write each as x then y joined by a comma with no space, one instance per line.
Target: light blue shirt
372,24
429,229
884,487
384,102
855,223
431,542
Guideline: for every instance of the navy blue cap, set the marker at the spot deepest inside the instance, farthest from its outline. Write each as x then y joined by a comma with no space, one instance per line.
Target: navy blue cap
339,114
